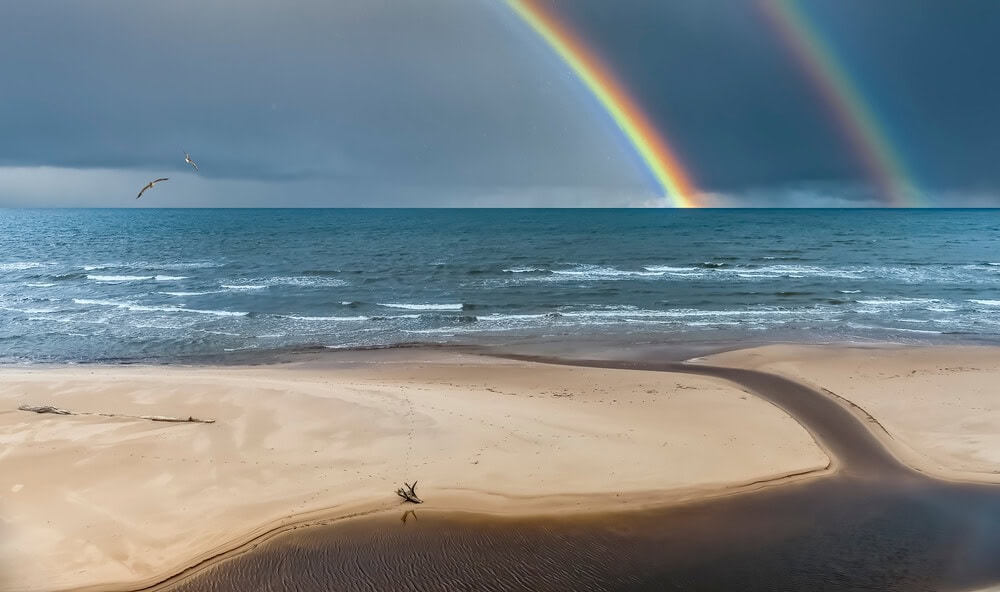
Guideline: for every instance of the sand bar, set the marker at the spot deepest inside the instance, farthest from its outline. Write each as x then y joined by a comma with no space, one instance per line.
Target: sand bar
936,408
119,502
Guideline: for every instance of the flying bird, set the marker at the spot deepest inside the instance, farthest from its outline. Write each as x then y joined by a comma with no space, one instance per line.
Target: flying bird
187,159
150,186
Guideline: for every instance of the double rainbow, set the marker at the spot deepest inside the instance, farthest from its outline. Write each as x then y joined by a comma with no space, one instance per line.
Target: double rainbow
855,117
659,158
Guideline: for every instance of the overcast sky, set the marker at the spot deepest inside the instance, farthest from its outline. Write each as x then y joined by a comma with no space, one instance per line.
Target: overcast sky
455,102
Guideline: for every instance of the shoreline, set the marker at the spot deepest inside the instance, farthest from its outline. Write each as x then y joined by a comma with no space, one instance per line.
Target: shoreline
680,346
480,502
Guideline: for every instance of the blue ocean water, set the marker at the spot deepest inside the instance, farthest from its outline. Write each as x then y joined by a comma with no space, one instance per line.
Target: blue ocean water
88,285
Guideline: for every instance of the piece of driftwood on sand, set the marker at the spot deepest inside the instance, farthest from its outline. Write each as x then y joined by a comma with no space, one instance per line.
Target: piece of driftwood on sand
58,411
408,494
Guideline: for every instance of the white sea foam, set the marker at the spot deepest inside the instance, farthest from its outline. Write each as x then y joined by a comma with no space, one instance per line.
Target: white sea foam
51,319
524,270
135,278
668,268
186,293
306,281
132,306
157,326
599,272
39,285
153,265
422,306
42,310
305,318
587,272
183,264
987,302
899,301
29,310
301,281
794,271
21,265
849,291
515,317
218,313
679,313
119,278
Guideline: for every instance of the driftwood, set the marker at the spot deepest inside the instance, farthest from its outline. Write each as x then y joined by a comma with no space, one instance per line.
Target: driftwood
58,411
176,419
408,494
187,419
45,409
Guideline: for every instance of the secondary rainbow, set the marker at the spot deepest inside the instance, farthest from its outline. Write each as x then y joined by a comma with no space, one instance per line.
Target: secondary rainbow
854,115
657,155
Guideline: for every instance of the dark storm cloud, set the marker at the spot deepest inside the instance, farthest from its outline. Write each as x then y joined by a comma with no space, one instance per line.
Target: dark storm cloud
743,114
409,92
376,102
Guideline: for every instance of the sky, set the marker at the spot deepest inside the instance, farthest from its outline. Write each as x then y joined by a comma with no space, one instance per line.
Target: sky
459,103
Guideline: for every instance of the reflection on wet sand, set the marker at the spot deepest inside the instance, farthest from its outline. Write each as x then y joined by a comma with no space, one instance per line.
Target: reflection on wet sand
836,534
875,525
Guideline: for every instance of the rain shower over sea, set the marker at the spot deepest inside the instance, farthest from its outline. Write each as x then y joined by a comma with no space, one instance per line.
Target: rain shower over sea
143,285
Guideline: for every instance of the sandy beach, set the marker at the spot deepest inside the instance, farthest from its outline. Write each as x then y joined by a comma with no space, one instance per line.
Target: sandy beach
106,500
116,502
936,408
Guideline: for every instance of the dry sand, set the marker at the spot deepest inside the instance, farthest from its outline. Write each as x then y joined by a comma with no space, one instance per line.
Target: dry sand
115,502
937,408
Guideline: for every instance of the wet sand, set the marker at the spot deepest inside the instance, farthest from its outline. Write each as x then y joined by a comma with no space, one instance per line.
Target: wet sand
835,534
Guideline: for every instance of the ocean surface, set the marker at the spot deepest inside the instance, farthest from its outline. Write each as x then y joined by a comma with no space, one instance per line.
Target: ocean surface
144,285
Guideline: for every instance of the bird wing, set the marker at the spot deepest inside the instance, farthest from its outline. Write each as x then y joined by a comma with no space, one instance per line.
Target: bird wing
151,183
192,163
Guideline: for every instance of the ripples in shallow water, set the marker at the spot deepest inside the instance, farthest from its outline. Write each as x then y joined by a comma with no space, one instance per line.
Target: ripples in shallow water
833,534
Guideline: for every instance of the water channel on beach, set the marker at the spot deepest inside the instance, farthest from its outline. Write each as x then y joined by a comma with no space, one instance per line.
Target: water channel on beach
874,525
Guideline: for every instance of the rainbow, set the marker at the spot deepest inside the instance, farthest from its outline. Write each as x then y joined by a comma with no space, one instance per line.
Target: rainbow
674,182
857,120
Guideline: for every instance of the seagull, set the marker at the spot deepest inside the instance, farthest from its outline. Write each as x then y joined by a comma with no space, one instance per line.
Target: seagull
187,159
150,186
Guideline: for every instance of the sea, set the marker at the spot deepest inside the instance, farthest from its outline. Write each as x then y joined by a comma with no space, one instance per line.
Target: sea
177,285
